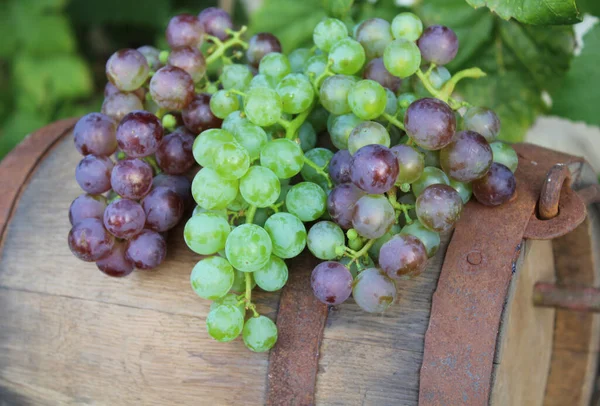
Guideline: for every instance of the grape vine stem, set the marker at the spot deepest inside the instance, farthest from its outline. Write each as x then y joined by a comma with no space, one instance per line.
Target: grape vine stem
221,47
356,255
393,120
248,275
319,170
445,92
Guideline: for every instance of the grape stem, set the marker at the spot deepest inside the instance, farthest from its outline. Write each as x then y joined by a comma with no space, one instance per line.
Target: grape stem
445,92
356,255
248,275
404,208
221,46
319,170
325,74
250,214
291,127
393,120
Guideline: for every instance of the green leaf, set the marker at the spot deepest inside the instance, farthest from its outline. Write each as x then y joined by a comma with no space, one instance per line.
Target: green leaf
578,97
17,127
537,12
52,34
338,8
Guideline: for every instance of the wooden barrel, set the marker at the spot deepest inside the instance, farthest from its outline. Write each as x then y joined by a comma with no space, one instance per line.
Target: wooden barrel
71,335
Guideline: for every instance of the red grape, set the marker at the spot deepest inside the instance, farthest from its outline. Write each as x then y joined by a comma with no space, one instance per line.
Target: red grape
124,218
438,44
119,104
259,45
430,122
184,30
190,60
131,178
216,22
375,70
93,174
174,154
127,69
374,169
403,255
331,282
89,240
164,209
467,157
94,134
172,88
495,187
147,250
115,264
139,134
438,207
87,206
198,117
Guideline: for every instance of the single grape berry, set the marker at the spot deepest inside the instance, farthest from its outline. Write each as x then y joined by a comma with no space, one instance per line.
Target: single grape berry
89,241
212,278
505,154
189,59
259,334
333,93
373,216
87,206
339,167
438,44
119,104
347,56
331,282
340,128
124,218
248,248
147,250
197,115
324,238
430,123
179,184
340,203
402,58
263,106
184,30
328,32
296,92
407,26
163,208
139,134
373,291
374,35
275,66
172,88
374,169
174,154
438,207
127,69
115,264
94,134
288,234
131,178
216,22
411,163
495,187
467,157
273,276
93,174
376,70
260,45
224,323
367,99
403,256
236,76
483,121
223,103
306,200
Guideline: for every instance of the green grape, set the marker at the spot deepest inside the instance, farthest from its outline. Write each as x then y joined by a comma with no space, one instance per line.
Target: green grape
206,143
260,81
206,233
321,157
363,262
239,282
324,238
284,157
273,276
391,104
306,200
405,100
287,233
340,129
225,323
212,191
223,103
307,136
212,278
218,212
260,334
231,160
274,66
374,250
296,92
410,162
260,186
407,26
251,137
347,56
315,66
248,247
366,133
430,239
334,93
229,299
236,76
318,118
402,58
328,32
231,122
263,106
464,190
367,99
238,203
430,176
298,58
505,154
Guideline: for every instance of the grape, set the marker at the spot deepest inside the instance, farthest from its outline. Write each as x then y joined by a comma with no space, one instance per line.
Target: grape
323,239
212,278
430,123
139,134
205,233
391,104
236,76
89,241
430,176
124,218
374,35
334,93
115,264
131,178
438,44
251,137
438,207
379,242
307,136
328,32
179,184
306,200
237,204
93,174
190,60
164,209
231,160
172,88
225,322
339,167
117,105
260,186
273,276
464,190
402,58
261,80
331,282
403,255
223,103
439,76
146,250
230,299
197,116
315,66
87,206
430,239
407,26
296,92
341,127
367,99
260,334
340,203
206,144
219,212
275,66
152,56
374,169
184,30
298,58
215,21
260,45
212,191
127,69
496,187
467,157
367,133
287,233
283,157
373,291
505,154
483,121
411,163
94,134
248,248
375,70
263,106
174,154
373,216
347,56
239,284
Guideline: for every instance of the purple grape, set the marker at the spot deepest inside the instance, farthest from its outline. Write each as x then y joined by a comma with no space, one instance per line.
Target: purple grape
124,218
467,157
127,69
216,22
374,169
115,264
172,88
373,216
147,250
430,123
496,187
131,178
119,104
110,89
89,241
184,30
190,60
93,174
259,45
438,207
403,255
411,163
483,121
94,134
373,291
152,56
179,184
375,70
341,201
139,134
174,155
87,206
374,35
438,44
164,209
198,117
331,282
339,167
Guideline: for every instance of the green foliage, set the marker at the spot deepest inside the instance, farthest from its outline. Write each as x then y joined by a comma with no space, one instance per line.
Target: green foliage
539,12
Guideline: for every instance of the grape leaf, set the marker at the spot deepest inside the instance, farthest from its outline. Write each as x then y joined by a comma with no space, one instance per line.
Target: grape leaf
537,12
17,126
